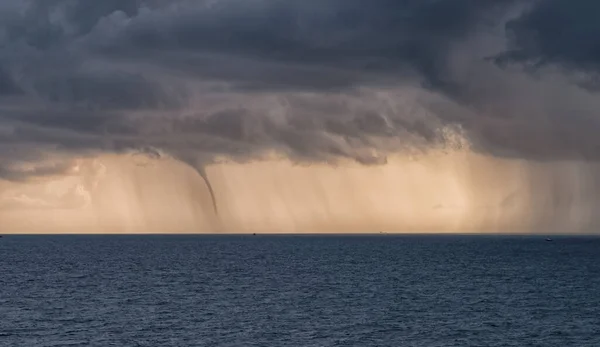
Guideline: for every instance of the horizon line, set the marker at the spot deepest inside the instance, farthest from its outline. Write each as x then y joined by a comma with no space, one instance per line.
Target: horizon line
475,234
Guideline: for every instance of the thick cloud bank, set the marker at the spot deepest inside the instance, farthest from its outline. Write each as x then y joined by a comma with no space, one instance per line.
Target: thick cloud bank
310,82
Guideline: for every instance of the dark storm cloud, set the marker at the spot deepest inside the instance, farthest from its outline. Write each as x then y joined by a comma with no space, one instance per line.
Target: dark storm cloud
7,84
354,40
116,91
565,32
316,80
375,37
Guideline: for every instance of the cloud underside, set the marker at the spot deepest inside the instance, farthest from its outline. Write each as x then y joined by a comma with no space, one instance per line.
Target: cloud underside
313,81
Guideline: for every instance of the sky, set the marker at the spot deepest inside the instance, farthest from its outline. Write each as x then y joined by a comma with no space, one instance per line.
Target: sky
135,116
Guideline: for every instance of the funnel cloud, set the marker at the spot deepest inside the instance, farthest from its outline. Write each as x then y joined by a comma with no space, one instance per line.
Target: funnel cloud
299,116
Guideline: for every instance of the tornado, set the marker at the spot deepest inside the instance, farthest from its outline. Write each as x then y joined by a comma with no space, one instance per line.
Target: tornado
202,173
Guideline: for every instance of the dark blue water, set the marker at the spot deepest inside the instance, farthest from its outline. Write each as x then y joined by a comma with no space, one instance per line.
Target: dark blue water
299,291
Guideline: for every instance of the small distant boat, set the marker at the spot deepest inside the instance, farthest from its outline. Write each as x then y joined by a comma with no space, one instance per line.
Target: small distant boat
549,240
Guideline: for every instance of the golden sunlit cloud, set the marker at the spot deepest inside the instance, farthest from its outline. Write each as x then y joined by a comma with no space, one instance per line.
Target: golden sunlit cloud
457,191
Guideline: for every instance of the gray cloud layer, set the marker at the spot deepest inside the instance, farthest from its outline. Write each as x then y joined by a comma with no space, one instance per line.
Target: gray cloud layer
316,80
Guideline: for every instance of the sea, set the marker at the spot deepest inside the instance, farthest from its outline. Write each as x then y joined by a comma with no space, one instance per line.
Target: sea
299,290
